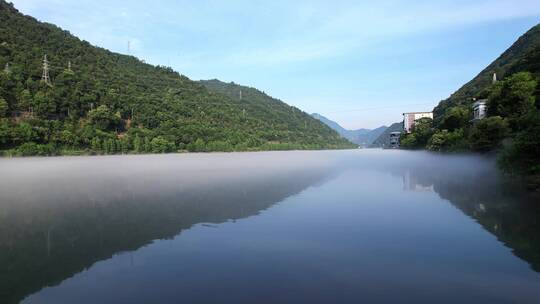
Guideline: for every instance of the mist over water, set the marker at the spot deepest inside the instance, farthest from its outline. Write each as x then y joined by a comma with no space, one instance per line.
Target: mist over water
319,227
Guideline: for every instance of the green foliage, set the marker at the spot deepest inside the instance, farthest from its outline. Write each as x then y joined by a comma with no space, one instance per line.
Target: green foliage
513,105
510,101
161,145
30,148
455,118
408,141
43,104
514,96
138,144
198,146
3,107
419,136
220,146
522,56
111,103
443,140
488,134
523,154
102,118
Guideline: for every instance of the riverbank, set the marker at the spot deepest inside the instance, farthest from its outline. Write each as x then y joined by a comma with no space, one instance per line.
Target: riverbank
206,149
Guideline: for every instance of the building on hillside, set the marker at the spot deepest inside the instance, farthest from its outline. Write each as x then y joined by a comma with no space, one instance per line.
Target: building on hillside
394,140
409,119
479,110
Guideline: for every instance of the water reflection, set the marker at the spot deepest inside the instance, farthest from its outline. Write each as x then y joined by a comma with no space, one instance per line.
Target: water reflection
56,221
474,186
369,221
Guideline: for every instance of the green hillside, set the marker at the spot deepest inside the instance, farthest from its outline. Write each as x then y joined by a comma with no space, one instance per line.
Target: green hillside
284,121
511,128
514,59
103,102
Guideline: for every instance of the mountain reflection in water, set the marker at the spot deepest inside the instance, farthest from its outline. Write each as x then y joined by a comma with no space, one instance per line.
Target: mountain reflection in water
60,216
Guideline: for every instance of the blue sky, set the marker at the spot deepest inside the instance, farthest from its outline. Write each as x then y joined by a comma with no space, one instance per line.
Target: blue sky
361,63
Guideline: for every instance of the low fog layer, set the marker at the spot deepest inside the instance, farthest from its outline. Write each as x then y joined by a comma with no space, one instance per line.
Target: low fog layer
55,180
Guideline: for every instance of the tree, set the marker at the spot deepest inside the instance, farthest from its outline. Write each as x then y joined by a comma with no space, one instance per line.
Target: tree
420,134
102,118
198,146
3,107
25,100
147,145
443,140
408,141
523,155
96,144
68,138
43,104
488,134
5,131
455,118
514,96
161,145
137,144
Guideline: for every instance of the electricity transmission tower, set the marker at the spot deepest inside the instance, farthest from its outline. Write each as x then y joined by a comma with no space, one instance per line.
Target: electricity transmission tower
69,67
6,68
240,94
45,76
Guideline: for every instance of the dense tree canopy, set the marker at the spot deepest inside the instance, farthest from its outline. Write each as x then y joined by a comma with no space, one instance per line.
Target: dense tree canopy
102,102
420,135
513,112
511,128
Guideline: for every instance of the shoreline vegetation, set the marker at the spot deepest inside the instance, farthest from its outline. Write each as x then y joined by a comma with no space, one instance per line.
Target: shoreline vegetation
510,131
510,88
88,152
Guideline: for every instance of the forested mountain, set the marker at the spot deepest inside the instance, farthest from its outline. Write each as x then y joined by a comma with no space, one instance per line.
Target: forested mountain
511,61
279,116
384,138
363,137
97,101
511,127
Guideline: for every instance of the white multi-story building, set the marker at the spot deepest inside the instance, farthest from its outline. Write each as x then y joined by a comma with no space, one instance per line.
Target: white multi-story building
409,119
479,110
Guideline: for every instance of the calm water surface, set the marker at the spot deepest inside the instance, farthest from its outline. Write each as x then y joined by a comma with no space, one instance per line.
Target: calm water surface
278,227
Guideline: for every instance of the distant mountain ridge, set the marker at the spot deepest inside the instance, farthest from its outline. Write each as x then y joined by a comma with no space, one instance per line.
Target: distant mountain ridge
363,137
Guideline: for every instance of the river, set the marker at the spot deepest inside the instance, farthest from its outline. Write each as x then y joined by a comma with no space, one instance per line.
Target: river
358,226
